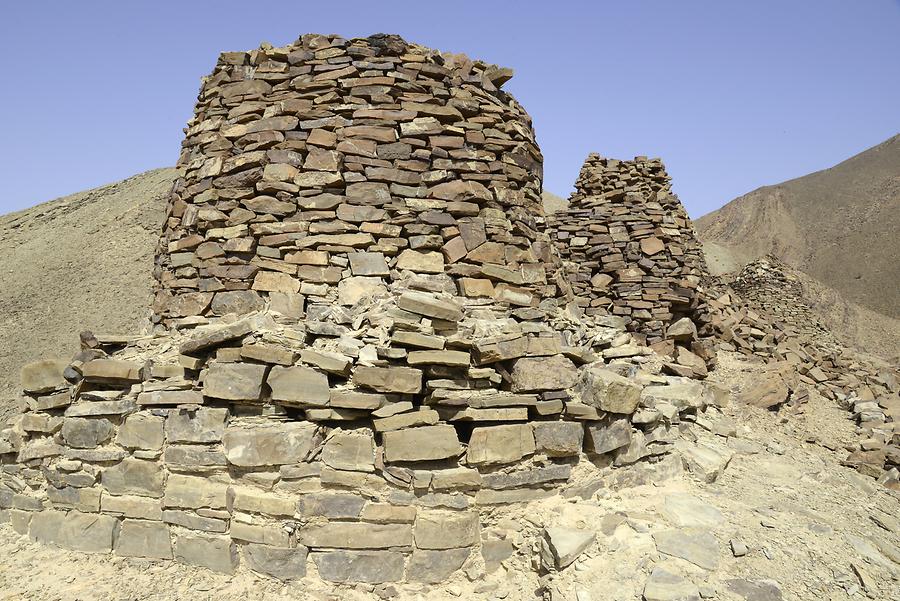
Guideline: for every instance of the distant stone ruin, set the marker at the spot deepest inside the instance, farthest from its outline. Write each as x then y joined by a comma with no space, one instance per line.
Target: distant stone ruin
368,336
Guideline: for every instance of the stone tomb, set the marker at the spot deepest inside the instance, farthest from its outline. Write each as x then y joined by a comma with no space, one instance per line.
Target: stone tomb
362,341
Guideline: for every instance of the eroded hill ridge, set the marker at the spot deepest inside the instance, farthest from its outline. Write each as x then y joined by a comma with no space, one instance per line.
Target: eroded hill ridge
838,225
370,341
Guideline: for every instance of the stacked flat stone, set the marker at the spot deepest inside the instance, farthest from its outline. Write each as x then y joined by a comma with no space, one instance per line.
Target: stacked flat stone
629,247
357,347
346,164
767,284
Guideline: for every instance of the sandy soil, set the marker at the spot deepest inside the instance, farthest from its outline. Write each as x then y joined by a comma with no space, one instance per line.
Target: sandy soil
80,262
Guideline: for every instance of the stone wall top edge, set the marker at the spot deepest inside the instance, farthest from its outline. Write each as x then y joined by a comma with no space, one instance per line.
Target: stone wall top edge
380,45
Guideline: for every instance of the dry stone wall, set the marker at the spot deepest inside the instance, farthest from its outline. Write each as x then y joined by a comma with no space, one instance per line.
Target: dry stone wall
320,172
629,247
360,350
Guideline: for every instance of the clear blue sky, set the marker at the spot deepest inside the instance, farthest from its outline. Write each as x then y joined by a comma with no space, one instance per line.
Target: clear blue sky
732,95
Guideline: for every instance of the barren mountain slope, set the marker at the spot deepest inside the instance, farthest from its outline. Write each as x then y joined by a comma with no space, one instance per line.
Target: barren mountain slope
839,225
853,324
79,262
554,203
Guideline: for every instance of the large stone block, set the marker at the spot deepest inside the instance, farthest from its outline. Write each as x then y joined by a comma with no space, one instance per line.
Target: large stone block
20,521
352,290
138,538
609,391
264,535
433,567
141,431
428,305
372,567
356,535
278,444
162,398
84,433
558,439
98,408
111,371
682,393
85,532
695,545
492,351
331,505
217,553
251,500
389,379
45,526
192,456
216,335
350,450
44,376
449,358
193,521
446,529
564,545
38,449
608,435
131,507
234,381
535,374
205,425
298,385
500,444
421,444
193,492
420,262
82,499
238,302
279,562
529,477
367,263
134,477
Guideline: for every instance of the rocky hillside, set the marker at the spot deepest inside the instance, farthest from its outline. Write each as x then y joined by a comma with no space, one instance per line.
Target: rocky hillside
838,225
554,203
79,262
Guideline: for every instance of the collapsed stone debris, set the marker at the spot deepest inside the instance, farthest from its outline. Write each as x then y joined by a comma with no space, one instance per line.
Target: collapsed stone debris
759,313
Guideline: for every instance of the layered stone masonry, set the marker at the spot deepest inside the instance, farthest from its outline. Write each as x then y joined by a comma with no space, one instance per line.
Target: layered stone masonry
342,165
628,246
144,456
359,350
767,284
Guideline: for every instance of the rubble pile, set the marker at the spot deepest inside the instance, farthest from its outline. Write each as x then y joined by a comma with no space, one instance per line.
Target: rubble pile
360,348
767,320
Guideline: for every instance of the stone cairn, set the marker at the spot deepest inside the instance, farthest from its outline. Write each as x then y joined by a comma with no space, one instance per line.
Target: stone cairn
358,353
629,250
768,285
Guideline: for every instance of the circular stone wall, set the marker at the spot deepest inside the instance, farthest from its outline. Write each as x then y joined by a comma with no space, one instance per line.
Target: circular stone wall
336,164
